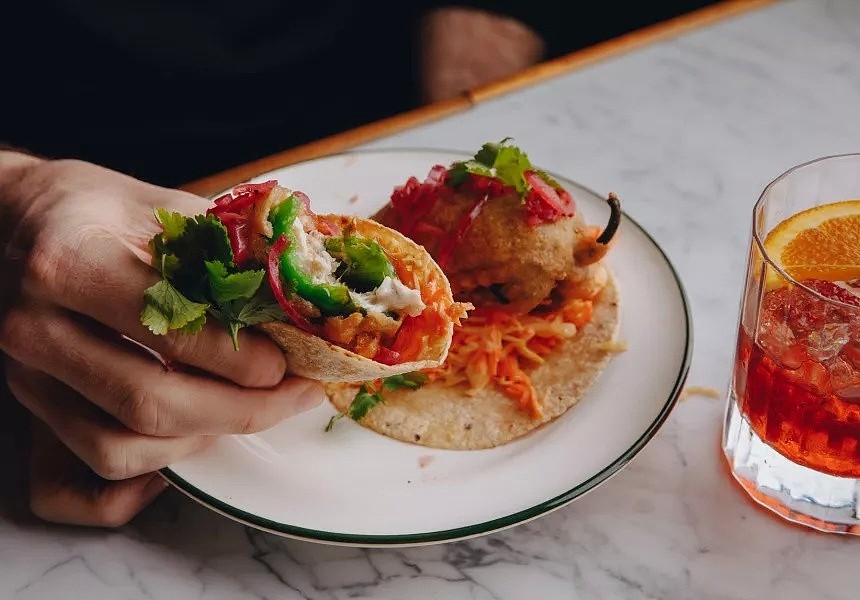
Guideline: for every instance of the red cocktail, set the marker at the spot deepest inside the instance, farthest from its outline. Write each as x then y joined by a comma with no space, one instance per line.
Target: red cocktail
792,429
798,384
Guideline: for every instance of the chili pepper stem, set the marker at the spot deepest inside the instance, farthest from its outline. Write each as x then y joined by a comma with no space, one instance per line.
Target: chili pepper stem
590,250
614,220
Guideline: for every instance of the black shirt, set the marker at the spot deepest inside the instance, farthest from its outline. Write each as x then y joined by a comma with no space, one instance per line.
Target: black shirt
172,90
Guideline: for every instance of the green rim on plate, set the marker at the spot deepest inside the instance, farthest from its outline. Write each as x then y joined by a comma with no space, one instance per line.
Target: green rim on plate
485,527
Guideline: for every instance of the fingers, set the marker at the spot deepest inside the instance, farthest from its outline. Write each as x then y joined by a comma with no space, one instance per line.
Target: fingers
63,490
107,447
137,391
99,277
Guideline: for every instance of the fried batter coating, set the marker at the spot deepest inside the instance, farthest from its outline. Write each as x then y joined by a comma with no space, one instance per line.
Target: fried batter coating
501,259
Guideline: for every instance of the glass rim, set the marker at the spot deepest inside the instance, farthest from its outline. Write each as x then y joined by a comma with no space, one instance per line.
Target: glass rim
757,237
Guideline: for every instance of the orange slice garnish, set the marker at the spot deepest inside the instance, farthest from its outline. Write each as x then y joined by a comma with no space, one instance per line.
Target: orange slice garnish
822,242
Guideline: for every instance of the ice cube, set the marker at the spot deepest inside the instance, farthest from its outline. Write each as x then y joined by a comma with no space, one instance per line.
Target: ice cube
842,373
850,394
774,336
792,357
825,343
806,313
845,379
851,353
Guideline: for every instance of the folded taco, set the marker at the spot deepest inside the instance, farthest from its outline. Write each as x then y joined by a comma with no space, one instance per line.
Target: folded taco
546,309
346,298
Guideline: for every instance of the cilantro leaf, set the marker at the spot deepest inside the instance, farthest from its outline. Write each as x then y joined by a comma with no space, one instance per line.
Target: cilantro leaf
460,170
195,326
410,381
173,223
334,419
204,239
457,174
163,260
259,310
487,154
195,258
226,287
233,328
362,403
365,400
235,315
166,308
510,164
495,159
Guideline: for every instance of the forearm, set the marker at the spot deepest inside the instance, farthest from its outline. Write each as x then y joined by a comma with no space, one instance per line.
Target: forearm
463,48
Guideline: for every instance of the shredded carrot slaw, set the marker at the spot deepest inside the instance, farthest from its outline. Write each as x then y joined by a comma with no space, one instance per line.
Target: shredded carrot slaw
500,348
416,332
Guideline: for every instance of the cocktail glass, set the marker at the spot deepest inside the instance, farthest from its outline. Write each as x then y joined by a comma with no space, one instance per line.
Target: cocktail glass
792,426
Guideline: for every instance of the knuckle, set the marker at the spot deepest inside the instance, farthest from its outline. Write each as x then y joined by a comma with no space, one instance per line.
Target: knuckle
42,268
16,331
108,459
141,409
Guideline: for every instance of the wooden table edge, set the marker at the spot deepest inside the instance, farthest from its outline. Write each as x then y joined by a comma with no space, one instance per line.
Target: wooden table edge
579,59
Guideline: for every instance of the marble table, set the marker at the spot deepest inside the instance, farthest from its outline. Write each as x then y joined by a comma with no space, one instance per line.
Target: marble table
687,131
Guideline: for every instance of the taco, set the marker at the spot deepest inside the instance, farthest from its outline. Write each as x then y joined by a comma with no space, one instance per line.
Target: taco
546,308
346,298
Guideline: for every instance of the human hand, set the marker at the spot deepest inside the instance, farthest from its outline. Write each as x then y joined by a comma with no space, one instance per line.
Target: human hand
463,48
74,263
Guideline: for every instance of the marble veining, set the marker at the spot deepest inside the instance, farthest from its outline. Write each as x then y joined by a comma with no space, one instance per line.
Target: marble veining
687,132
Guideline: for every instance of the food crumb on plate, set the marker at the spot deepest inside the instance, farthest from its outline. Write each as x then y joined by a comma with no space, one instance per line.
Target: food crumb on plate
613,346
353,199
699,390
425,460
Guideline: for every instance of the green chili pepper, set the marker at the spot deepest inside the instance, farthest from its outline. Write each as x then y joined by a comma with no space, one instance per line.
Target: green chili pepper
363,264
330,299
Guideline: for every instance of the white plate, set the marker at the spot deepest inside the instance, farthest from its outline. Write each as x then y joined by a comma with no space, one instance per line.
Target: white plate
353,486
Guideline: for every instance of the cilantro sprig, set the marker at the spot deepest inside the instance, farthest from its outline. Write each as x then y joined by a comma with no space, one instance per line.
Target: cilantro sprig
200,277
368,397
501,160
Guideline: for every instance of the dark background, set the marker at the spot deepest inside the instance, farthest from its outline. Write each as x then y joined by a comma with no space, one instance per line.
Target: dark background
173,90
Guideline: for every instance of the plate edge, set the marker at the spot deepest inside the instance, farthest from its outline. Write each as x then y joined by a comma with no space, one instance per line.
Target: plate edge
493,525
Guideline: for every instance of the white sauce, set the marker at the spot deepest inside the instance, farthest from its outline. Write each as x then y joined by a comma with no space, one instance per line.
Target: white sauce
314,259
392,295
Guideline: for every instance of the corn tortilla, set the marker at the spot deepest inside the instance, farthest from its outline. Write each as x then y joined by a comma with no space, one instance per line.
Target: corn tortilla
447,417
315,358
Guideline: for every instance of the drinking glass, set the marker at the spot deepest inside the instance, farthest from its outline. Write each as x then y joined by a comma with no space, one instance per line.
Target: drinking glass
792,426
